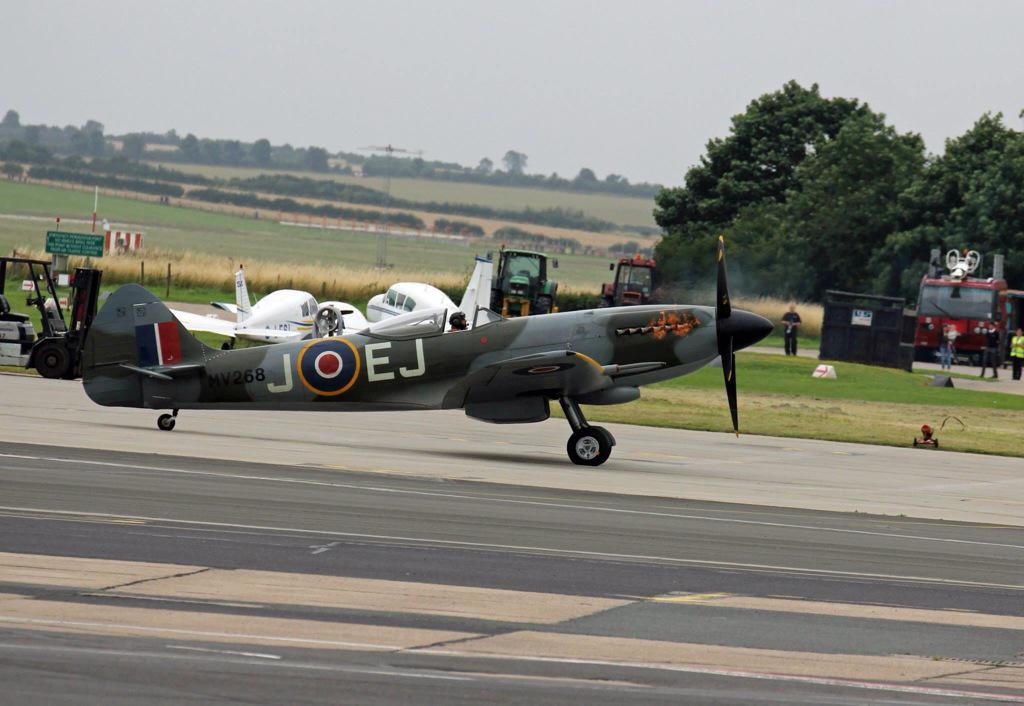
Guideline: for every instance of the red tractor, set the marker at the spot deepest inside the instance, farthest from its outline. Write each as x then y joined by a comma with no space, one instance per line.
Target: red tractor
635,280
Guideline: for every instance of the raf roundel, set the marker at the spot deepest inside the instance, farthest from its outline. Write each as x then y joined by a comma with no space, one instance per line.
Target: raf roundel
328,367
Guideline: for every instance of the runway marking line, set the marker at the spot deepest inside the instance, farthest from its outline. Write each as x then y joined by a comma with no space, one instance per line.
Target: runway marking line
259,655
678,668
549,550
689,598
148,654
460,496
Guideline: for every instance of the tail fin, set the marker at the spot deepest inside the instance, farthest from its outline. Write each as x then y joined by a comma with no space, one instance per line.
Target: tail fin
133,338
478,292
242,296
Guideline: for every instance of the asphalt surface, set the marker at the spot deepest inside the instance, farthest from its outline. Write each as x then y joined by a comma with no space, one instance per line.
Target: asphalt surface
140,578
447,445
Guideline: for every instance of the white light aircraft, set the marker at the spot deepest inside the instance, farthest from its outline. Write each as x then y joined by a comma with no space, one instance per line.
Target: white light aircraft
405,297
284,315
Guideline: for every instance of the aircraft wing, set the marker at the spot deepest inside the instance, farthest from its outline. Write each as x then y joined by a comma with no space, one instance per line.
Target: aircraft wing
210,324
566,372
270,335
230,308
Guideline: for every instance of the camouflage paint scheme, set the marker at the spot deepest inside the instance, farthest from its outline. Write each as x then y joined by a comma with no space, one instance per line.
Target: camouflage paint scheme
506,371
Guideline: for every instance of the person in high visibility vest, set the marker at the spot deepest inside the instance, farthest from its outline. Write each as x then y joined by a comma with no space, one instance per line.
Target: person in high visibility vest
1017,353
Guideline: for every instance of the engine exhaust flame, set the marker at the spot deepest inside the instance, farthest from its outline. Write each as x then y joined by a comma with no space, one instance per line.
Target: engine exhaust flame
663,325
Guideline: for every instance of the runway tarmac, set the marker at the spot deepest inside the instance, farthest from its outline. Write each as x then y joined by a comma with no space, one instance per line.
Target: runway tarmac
149,579
647,461
425,557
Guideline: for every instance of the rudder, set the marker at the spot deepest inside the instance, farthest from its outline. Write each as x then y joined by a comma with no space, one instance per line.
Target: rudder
134,329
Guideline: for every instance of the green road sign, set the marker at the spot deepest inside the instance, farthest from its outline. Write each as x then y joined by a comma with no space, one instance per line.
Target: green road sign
60,243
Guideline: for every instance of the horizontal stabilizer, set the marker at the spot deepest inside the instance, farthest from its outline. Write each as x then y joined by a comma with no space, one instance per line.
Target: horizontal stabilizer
226,306
163,372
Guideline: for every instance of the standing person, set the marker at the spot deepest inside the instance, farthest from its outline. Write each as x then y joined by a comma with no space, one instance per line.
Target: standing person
952,333
1017,353
945,348
791,320
990,356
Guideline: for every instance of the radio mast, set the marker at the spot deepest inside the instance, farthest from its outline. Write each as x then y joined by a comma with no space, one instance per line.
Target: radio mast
382,234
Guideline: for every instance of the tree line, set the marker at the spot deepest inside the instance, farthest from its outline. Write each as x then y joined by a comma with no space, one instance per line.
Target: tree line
79,170
816,193
251,200
90,140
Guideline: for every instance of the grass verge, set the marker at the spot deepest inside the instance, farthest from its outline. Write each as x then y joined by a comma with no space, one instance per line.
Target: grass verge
867,405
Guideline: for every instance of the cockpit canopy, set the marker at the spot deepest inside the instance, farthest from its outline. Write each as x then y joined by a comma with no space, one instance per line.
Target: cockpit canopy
423,323
415,324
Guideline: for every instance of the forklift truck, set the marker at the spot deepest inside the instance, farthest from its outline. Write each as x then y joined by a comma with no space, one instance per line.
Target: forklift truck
57,351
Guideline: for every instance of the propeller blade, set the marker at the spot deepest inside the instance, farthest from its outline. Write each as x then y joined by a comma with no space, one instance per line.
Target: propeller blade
730,392
723,310
729,374
723,307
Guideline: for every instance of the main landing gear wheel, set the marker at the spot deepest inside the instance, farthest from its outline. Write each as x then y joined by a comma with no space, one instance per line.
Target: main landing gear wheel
165,422
588,446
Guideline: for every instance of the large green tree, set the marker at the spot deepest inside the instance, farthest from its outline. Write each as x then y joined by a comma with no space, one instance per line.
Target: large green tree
261,152
970,197
515,162
754,165
133,146
845,205
316,159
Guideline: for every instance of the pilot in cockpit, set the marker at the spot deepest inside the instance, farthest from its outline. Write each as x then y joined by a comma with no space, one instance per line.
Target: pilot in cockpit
457,321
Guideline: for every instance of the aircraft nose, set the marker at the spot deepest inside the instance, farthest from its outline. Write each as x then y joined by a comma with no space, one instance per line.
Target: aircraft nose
745,328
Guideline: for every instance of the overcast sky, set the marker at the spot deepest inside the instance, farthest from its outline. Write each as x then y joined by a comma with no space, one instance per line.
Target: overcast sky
632,87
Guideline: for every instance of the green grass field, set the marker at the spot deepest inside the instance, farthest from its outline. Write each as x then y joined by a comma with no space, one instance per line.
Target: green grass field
237,239
778,397
624,210
776,340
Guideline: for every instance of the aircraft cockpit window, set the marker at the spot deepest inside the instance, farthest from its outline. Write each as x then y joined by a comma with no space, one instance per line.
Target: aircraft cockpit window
410,304
486,316
415,324
392,295
304,308
400,301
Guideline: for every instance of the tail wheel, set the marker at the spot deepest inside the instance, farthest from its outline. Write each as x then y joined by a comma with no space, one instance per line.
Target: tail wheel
165,422
590,446
52,360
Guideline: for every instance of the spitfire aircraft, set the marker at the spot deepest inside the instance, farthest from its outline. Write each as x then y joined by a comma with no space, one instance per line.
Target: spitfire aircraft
500,370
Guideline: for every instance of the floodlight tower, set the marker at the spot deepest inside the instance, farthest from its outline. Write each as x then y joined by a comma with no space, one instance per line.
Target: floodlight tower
382,234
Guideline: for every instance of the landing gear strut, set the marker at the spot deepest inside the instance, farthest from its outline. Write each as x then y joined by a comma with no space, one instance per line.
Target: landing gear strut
588,446
165,422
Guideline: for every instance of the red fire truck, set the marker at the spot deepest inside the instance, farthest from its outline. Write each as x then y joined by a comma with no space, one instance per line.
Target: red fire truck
970,304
